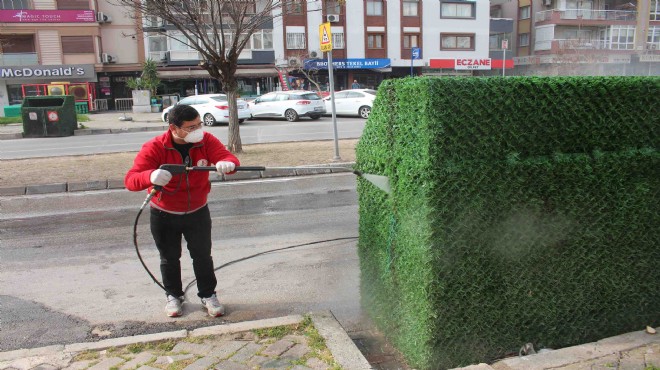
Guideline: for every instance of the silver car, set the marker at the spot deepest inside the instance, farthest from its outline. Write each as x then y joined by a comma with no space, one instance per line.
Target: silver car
212,108
288,104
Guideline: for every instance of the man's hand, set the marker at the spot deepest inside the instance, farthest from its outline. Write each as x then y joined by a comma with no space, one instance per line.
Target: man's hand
160,177
225,166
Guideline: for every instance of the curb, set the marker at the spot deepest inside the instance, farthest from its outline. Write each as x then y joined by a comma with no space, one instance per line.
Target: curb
111,184
344,351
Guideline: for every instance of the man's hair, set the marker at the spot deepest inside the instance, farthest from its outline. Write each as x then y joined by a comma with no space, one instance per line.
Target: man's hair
181,113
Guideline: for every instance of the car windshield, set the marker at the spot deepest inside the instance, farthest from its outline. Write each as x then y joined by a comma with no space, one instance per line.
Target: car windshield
372,92
219,98
306,96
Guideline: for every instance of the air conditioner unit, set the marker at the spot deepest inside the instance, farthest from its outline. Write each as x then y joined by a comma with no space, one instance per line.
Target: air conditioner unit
107,58
333,18
294,62
314,54
103,18
653,46
547,2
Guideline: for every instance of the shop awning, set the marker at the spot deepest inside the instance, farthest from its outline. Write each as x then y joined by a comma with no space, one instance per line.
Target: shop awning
200,73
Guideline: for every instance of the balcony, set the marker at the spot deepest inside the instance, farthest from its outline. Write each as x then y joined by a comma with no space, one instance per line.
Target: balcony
19,59
581,45
188,57
585,16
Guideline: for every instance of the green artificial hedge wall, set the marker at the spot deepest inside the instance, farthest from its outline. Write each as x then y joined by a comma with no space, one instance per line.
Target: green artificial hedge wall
523,209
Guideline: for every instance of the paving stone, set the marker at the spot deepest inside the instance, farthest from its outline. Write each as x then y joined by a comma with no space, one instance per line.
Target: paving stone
230,365
78,365
276,364
317,364
166,360
652,355
296,352
633,359
140,359
258,360
198,349
245,353
148,368
226,349
45,367
202,364
608,362
296,338
107,363
277,348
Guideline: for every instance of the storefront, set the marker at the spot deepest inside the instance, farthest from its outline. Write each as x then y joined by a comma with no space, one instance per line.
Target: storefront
369,73
16,82
467,66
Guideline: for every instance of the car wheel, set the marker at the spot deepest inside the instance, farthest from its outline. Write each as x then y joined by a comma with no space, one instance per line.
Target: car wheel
364,112
315,116
209,120
241,120
291,115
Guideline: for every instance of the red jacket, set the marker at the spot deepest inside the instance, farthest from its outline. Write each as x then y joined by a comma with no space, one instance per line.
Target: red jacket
185,192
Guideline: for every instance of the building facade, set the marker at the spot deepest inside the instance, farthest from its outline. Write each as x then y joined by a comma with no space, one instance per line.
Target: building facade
584,37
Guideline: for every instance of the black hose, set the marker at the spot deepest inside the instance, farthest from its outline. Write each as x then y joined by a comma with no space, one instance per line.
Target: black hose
137,250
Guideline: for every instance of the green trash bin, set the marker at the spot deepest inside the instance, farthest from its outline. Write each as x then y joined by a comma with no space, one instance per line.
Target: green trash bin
49,116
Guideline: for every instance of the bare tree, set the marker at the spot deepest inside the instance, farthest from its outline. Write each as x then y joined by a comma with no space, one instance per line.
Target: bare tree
310,71
218,30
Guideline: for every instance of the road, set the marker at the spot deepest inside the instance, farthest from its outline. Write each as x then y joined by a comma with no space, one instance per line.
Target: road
252,132
70,273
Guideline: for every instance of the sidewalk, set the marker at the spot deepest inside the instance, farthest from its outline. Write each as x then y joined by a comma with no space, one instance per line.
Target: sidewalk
316,341
101,123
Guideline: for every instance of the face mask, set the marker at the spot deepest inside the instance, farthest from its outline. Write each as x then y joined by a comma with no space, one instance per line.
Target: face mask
193,137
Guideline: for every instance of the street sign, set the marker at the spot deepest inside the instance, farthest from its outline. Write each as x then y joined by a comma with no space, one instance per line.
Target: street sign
416,53
505,44
325,37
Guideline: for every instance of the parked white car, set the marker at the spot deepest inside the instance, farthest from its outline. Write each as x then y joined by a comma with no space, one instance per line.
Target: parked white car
212,108
356,102
288,104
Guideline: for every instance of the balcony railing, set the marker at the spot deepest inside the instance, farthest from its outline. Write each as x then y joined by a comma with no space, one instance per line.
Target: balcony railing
585,14
580,44
187,55
19,59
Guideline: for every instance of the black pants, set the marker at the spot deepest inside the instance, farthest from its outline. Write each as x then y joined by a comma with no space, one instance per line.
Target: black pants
167,230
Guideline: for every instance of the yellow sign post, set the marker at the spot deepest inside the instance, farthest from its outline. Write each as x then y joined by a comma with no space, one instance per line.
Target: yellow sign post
325,37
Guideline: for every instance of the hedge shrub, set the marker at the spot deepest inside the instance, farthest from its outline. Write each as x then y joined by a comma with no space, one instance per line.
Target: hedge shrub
524,209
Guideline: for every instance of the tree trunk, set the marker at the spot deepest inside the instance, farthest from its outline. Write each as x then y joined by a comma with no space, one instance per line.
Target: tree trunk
233,135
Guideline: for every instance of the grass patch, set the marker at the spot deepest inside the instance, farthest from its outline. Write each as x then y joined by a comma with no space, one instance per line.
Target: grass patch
277,332
198,340
179,365
86,356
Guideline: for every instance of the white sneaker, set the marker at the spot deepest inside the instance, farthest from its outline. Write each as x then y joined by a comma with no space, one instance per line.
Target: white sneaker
173,307
213,306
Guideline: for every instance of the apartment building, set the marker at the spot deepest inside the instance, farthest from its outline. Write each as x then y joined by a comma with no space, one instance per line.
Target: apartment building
584,37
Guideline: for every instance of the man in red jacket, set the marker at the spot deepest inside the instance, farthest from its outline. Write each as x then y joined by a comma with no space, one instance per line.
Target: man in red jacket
180,208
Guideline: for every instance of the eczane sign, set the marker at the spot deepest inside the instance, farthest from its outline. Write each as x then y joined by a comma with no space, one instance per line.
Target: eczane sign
462,63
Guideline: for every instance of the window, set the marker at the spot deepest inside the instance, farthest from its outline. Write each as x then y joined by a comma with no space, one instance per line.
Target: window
655,10
375,41
456,41
16,44
653,38
77,44
374,7
523,39
332,7
410,8
179,42
72,4
337,40
464,9
262,39
622,37
410,41
525,12
294,7
295,40
15,4
157,46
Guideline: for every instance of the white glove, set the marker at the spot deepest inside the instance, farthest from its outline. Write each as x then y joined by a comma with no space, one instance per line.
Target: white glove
225,166
160,177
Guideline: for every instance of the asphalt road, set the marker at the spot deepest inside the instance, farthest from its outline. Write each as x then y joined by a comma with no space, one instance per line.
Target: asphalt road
252,132
70,273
